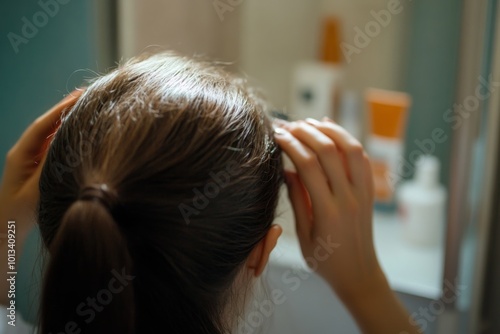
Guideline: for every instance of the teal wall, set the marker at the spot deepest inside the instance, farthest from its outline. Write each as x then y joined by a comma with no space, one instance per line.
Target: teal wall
51,64
431,76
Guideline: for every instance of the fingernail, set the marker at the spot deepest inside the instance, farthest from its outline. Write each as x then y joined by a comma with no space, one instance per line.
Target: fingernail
328,119
280,131
313,121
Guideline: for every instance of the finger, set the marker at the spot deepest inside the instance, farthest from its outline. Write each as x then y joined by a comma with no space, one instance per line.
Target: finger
33,139
308,168
299,198
349,146
328,155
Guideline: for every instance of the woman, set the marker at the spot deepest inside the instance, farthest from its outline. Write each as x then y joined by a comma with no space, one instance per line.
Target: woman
156,197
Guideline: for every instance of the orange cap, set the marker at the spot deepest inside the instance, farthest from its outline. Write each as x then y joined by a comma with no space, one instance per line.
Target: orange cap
388,111
330,52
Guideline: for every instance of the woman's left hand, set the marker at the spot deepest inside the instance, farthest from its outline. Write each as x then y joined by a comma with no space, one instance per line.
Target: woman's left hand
19,190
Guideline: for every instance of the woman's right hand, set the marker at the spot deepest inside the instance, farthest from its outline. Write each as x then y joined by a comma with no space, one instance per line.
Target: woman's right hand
332,198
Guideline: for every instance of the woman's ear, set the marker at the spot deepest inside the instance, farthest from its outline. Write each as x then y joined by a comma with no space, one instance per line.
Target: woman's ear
259,256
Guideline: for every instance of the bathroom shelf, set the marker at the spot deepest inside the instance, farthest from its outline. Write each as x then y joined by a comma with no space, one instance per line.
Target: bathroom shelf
410,269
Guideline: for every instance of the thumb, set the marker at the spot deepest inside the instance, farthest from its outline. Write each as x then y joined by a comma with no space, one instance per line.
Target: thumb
301,205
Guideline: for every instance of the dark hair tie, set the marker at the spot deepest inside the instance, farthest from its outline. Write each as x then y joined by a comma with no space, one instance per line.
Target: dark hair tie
98,192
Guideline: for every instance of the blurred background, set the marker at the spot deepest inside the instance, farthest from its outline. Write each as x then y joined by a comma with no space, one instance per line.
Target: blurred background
408,78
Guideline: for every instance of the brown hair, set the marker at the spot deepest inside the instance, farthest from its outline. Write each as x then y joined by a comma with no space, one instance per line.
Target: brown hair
158,184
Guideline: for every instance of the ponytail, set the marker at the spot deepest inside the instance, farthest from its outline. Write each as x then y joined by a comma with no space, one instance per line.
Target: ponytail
88,285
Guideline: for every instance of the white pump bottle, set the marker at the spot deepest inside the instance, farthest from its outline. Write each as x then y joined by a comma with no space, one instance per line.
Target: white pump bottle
422,203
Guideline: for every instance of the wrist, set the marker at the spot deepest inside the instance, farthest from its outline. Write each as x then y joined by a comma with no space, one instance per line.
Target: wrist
375,307
371,288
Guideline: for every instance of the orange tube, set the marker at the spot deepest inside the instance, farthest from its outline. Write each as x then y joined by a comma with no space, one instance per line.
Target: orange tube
387,112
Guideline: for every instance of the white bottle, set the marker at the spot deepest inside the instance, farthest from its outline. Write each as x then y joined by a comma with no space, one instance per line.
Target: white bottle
316,90
422,203
316,85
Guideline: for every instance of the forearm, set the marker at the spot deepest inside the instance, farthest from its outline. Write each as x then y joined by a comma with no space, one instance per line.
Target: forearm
376,308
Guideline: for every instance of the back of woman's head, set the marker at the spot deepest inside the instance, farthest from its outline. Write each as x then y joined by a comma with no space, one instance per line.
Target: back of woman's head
157,186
